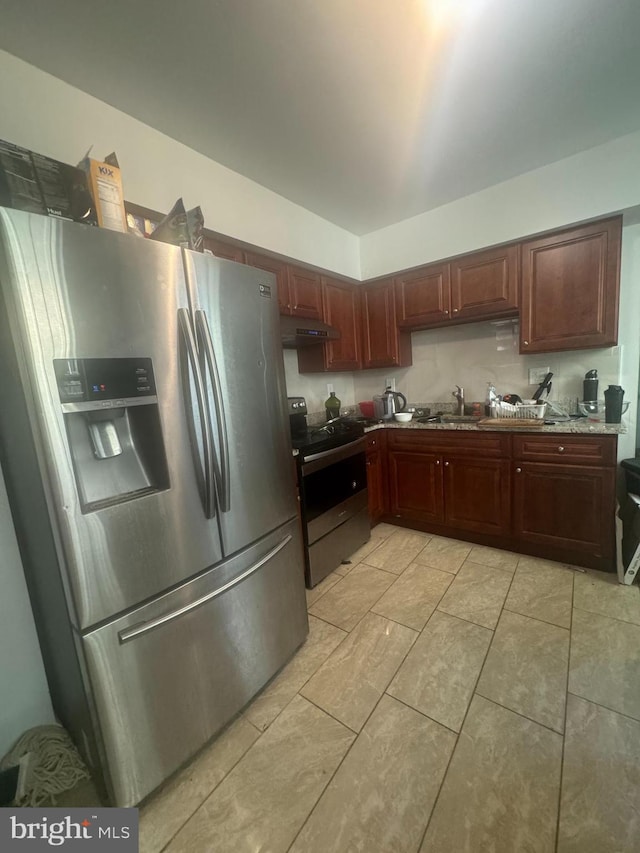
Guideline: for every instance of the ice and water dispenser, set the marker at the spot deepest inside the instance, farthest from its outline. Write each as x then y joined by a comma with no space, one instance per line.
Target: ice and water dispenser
112,420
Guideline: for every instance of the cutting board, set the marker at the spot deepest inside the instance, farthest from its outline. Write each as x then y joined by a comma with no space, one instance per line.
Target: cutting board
512,423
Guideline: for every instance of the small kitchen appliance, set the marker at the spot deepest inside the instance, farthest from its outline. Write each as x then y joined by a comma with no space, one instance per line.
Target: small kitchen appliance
386,405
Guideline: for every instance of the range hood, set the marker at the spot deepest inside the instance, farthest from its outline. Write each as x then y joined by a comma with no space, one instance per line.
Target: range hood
300,332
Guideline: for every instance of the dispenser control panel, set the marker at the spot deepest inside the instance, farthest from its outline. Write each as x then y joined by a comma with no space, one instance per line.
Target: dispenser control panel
89,380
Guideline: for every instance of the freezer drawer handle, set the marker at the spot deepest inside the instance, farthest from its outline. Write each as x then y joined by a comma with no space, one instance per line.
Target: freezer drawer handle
184,322
204,335
145,627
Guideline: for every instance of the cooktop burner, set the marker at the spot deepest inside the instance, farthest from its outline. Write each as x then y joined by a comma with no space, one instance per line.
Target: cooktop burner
314,439
318,439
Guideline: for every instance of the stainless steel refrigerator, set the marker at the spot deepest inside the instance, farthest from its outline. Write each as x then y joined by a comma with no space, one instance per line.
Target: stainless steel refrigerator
145,443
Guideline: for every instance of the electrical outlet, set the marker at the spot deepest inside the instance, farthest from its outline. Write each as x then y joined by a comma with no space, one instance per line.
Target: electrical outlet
390,382
537,374
330,387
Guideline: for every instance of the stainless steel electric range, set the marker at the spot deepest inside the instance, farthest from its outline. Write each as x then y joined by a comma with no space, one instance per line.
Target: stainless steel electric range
332,477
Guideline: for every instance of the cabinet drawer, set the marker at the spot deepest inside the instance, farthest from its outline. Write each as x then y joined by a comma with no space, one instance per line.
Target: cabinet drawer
568,449
458,443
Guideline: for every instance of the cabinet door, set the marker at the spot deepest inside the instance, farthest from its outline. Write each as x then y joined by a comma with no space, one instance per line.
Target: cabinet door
223,250
477,494
570,285
485,284
305,293
341,308
423,297
568,507
415,486
375,485
383,345
279,269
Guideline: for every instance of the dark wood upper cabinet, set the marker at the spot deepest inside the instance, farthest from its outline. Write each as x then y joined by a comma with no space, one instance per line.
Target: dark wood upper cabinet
279,269
485,284
570,288
383,344
305,293
423,297
341,309
223,250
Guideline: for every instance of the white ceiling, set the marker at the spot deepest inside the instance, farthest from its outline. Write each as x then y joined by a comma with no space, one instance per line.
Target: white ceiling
363,111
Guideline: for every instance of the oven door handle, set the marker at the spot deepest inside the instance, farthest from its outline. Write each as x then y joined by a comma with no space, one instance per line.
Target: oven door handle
327,457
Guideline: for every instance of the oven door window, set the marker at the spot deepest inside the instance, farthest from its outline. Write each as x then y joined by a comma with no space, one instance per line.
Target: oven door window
329,486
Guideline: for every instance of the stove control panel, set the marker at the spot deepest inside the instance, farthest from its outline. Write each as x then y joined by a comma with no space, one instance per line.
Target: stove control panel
297,405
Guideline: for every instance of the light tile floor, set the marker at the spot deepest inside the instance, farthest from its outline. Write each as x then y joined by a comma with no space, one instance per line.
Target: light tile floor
449,698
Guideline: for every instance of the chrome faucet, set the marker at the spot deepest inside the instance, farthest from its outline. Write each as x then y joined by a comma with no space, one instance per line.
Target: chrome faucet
459,395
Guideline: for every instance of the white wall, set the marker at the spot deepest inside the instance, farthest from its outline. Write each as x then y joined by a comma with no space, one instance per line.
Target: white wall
24,697
46,115
589,185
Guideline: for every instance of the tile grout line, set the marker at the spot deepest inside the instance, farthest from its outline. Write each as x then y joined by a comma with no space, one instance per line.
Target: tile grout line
217,785
538,619
357,734
606,616
418,711
566,707
604,707
384,693
466,714
518,714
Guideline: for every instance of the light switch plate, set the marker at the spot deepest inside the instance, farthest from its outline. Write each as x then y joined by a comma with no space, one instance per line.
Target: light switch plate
390,382
537,374
330,387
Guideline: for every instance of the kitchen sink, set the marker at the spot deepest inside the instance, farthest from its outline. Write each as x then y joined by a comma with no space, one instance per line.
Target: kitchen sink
449,419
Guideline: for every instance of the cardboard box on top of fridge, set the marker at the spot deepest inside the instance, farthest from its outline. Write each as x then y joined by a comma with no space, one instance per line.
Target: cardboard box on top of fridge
39,184
105,183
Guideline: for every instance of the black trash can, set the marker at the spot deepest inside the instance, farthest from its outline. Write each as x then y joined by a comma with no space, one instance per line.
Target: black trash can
629,514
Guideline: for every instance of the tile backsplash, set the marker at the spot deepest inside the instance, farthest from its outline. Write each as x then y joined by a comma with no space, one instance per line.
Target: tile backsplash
469,355
473,355
313,386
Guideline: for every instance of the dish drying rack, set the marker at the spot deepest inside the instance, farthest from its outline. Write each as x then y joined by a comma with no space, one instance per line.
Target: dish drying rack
521,411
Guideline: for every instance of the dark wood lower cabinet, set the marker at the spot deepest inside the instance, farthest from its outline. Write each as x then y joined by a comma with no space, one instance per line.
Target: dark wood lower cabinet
477,495
376,475
483,487
415,486
567,507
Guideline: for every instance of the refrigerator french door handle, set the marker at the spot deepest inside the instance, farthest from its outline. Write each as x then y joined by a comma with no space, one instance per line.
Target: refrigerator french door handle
204,337
144,627
184,324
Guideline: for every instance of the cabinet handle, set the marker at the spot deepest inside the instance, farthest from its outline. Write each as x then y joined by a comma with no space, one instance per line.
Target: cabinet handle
368,464
437,461
518,470
525,343
560,449
455,310
446,312
446,463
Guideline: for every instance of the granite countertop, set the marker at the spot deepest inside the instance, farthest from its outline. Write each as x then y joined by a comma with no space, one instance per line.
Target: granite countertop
581,427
